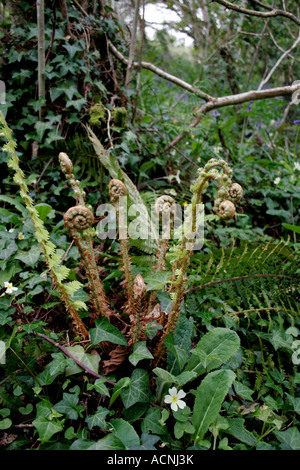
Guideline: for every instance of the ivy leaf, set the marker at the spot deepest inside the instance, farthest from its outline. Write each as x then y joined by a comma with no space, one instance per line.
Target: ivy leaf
72,49
290,438
9,248
120,385
105,331
138,389
77,104
68,406
46,428
243,391
5,423
99,387
59,364
30,258
89,360
98,419
140,352
157,281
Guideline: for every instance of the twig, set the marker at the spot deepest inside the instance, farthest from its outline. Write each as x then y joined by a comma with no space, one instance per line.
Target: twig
263,14
161,73
132,44
287,52
80,364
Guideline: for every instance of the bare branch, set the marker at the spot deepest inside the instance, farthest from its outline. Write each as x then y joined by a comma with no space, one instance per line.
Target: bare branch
229,100
265,80
247,96
263,14
161,73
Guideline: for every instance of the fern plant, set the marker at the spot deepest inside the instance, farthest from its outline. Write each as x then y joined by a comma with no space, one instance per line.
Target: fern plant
58,270
141,307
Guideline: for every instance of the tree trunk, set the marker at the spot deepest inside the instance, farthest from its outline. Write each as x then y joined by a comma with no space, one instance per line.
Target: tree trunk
41,52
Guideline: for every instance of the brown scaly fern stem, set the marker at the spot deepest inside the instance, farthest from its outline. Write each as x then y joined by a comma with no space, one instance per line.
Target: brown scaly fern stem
78,219
228,194
165,208
117,190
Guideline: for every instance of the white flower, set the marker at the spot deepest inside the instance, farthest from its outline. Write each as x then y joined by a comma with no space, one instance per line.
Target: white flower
11,230
9,287
277,180
174,398
297,166
20,236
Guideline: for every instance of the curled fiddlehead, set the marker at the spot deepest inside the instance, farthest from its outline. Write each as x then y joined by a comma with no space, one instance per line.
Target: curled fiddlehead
235,192
78,218
227,195
116,189
67,167
226,210
65,163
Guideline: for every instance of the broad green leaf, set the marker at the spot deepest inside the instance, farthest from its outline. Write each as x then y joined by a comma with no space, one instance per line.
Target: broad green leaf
294,228
209,397
5,423
43,210
105,331
140,352
214,349
72,49
59,363
151,422
26,410
180,344
125,432
147,442
164,375
185,377
89,360
289,438
109,442
98,419
46,428
138,391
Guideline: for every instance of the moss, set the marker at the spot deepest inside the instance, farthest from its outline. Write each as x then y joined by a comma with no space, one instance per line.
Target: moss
119,116
97,115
